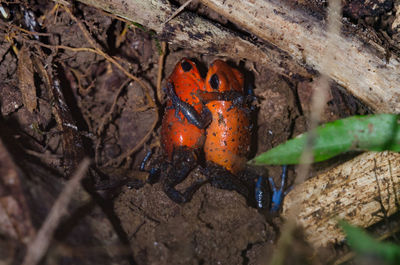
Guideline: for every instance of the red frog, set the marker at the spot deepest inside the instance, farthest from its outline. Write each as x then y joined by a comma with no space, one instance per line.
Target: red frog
226,142
182,125
228,136
182,129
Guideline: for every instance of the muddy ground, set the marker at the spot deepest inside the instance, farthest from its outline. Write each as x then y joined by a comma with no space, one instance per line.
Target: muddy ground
115,121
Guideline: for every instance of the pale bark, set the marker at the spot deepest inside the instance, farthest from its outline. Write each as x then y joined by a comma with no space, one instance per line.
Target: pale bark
352,191
361,69
191,31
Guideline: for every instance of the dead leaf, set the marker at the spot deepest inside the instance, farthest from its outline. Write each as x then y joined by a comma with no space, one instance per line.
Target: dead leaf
26,79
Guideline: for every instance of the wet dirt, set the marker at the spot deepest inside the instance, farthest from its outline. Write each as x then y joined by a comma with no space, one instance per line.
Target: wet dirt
113,114
198,232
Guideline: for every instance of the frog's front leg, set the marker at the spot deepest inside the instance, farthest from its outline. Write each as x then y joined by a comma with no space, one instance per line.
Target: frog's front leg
183,162
189,112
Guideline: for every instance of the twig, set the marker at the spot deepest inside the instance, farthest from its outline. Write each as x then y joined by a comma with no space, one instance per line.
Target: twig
63,2
106,56
160,69
177,11
25,30
53,11
107,118
319,98
82,28
46,156
128,153
38,247
78,76
119,159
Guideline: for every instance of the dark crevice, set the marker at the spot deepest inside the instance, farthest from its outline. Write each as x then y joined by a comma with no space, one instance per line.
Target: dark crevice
243,254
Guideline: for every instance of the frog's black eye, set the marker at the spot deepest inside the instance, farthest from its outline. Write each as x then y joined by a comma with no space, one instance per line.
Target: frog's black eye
214,82
186,66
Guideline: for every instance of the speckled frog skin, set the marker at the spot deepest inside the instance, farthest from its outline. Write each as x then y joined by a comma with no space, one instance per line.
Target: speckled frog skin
228,136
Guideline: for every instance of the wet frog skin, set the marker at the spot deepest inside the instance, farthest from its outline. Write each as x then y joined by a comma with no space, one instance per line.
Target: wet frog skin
182,88
182,131
228,136
192,104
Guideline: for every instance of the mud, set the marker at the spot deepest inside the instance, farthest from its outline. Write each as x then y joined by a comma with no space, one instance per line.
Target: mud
113,114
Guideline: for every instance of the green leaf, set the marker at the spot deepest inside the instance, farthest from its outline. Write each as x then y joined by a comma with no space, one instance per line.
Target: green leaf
139,26
358,133
364,244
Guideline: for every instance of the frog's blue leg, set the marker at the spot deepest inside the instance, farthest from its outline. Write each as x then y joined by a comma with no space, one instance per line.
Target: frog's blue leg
145,159
260,193
154,173
277,195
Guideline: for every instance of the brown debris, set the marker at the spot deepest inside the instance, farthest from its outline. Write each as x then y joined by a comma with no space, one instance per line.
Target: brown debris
26,81
10,99
357,9
338,104
71,139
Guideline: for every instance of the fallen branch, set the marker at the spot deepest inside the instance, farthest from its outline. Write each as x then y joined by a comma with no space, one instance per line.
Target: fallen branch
361,69
297,42
191,31
362,191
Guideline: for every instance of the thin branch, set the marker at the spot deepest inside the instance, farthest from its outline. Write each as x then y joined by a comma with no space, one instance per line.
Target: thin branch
180,9
128,153
107,57
24,30
106,119
160,69
38,247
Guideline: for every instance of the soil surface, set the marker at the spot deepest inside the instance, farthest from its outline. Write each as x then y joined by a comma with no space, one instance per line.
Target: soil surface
60,103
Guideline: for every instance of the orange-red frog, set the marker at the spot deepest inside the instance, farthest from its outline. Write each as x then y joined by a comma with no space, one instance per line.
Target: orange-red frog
182,129
183,125
228,136
225,143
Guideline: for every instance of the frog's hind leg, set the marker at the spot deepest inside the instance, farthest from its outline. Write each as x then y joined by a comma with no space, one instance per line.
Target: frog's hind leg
278,194
221,178
259,188
153,174
183,162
